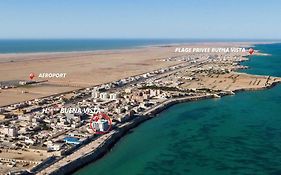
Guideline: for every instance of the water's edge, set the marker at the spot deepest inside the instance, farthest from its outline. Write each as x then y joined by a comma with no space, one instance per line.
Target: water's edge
94,156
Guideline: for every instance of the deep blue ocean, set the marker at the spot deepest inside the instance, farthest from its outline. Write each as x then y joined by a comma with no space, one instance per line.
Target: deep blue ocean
234,135
69,45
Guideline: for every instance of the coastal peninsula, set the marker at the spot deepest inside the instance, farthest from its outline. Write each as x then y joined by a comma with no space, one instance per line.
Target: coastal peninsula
137,85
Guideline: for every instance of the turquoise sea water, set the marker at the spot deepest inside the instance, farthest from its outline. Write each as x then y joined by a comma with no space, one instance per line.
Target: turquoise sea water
266,65
235,135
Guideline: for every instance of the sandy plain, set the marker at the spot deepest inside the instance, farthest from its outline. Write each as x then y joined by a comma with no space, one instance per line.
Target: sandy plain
84,69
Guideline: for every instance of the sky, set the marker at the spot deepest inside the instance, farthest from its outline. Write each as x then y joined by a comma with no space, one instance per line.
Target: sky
236,19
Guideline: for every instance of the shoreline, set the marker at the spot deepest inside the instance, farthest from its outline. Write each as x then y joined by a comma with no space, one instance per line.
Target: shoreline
108,141
113,139
92,51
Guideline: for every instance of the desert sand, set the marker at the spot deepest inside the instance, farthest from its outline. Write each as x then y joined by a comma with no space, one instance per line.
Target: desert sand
84,69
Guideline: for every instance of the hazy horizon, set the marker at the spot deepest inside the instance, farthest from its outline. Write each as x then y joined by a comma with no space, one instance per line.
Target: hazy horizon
182,39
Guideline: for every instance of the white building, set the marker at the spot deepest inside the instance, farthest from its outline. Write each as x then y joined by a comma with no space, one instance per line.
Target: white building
101,125
95,93
113,96
128,90
10,131
103,96
54,147
154,93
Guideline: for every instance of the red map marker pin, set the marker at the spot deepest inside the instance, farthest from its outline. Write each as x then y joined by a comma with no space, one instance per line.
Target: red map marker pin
31,75
96,118
251,51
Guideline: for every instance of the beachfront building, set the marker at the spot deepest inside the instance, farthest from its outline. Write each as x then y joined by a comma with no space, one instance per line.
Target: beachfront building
101,125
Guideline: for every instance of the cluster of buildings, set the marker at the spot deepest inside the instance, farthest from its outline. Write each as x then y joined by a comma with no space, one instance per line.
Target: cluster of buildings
40,123
48,124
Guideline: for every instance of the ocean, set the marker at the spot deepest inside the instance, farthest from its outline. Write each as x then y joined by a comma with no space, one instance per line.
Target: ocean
234,135
70,45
